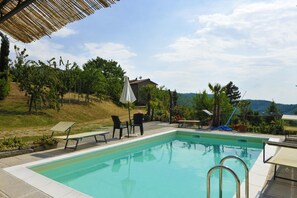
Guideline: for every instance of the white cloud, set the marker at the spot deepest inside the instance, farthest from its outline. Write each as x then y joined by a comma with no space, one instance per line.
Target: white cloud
45,50
64,32
109,50
112,51
251,45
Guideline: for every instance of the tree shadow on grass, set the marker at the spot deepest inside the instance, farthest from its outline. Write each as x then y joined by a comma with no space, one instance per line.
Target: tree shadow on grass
16,112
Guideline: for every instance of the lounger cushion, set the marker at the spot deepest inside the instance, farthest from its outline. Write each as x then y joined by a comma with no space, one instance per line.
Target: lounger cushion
82,135
285,156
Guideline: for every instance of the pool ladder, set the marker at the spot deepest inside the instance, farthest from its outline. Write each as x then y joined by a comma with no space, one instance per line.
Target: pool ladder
221,167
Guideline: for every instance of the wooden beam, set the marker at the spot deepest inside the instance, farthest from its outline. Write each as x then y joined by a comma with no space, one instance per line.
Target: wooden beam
20,6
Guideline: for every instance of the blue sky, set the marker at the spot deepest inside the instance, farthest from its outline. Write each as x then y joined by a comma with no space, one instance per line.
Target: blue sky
186,44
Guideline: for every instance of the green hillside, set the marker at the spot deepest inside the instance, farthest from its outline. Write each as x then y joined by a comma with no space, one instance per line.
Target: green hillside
15,120
261,106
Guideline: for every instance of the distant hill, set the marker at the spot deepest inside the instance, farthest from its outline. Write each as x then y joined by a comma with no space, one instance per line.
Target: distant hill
262,105
185,99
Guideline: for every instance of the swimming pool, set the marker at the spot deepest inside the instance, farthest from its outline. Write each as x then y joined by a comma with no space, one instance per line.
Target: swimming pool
173,164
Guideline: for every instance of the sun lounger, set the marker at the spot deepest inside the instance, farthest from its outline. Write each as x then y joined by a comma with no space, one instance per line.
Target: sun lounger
66,127
185,123
285,156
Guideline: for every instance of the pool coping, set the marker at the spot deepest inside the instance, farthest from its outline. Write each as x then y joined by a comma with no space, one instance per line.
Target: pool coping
258,174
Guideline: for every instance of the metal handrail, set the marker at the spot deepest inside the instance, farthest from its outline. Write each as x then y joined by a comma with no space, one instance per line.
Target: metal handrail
246,174
228,169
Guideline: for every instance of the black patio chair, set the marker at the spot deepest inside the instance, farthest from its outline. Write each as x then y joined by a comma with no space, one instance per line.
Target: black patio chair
117,124
137,121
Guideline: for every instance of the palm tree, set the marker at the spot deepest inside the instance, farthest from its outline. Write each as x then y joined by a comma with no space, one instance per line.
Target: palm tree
217,91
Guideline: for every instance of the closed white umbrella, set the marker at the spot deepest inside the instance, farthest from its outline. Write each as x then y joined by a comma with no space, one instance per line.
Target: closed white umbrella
127,94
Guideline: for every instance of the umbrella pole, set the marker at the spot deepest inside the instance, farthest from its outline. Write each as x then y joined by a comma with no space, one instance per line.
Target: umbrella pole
129,121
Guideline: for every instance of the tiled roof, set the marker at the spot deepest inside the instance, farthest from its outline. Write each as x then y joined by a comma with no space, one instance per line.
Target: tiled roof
136,81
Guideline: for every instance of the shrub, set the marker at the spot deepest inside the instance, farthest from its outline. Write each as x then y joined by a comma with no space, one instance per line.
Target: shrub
45,141
12,143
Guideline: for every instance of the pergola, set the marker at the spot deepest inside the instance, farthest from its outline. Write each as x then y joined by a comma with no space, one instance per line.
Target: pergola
29,20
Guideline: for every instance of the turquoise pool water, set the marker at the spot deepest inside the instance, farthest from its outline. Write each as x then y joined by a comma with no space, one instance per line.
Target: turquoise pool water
173,165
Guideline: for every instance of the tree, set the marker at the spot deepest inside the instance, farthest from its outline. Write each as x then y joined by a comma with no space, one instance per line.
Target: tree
38,80
113,74
4,67
93,81
233,93
217,91
158,102
149,91
202,101
272,108
174,98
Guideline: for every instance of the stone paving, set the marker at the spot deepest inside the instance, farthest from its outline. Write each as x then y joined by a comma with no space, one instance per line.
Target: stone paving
12,187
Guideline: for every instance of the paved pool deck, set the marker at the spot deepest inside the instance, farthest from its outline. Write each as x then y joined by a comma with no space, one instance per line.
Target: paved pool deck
13,187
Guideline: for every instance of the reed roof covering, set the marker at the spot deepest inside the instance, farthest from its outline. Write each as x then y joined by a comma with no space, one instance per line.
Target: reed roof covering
29,20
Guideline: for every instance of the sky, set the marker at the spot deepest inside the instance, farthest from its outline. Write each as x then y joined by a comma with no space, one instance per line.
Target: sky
186,44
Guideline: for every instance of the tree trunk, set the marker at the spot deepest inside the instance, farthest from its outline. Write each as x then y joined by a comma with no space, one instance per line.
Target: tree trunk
149,105
170,107
31,102
152,116
61,99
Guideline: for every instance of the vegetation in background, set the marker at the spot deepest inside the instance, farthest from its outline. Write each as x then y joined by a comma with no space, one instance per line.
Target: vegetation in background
202,101
4,66
11,143
107,78
45,141
244,118
157,100
185,99
233,93
218,92
45,84
47,87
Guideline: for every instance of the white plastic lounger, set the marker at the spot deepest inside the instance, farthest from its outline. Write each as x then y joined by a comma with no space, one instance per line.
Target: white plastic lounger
285,156
207,112
184,123
66,127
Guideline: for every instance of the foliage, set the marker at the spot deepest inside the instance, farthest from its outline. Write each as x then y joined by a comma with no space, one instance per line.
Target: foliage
174,98
202,101
4,88
276,127
157,100
45,141
4,67
272,108
226,109
149,91
262,105
218,92
233,93
181,113
111,77
38,80
185,99
11,143
92,81
46,84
